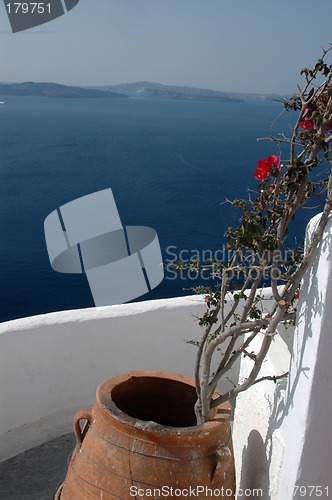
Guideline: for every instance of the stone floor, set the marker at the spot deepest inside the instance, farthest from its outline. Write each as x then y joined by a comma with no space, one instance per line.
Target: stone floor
36,473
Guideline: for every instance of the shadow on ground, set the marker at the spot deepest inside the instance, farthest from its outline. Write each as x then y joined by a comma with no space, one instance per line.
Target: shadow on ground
36,473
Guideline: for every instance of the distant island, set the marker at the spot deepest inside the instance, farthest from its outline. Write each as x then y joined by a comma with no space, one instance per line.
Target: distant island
185,96
150,90
143,90
42,89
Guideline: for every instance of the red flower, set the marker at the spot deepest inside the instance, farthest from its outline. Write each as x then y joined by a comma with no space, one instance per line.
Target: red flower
207,298
264,166
306,124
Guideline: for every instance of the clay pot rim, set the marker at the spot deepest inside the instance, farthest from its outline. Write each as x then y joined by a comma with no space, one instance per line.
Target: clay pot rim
113,412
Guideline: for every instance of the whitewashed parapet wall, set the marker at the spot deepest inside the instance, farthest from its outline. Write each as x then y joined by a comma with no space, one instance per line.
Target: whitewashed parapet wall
50,365
308,408
284,430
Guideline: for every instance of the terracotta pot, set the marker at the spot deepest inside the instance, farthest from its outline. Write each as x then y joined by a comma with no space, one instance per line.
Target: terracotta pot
141,441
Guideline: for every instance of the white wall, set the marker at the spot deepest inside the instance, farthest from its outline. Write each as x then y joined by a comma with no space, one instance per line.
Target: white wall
308,402
282,431
51,365
259,447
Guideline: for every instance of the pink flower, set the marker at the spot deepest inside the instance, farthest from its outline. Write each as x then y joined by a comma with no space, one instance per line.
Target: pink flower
207,298
264,166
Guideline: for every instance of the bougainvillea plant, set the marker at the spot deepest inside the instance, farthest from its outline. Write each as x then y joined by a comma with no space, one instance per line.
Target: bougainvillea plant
287,180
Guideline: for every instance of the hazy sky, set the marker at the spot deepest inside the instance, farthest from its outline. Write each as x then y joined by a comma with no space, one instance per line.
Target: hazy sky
234,45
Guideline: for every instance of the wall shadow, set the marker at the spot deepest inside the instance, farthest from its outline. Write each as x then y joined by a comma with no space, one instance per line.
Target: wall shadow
310,306
256,465
257,455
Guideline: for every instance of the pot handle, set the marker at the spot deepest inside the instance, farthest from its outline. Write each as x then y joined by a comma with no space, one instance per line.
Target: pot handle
224,467
81,432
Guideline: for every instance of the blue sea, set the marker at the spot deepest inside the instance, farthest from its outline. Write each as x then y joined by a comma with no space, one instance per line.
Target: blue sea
170,165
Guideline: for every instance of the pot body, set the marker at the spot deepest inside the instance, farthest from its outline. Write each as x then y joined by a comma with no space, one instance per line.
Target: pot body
141,441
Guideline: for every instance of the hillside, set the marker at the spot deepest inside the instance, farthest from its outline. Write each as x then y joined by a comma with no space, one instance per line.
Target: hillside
146,90
159,91
43,89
